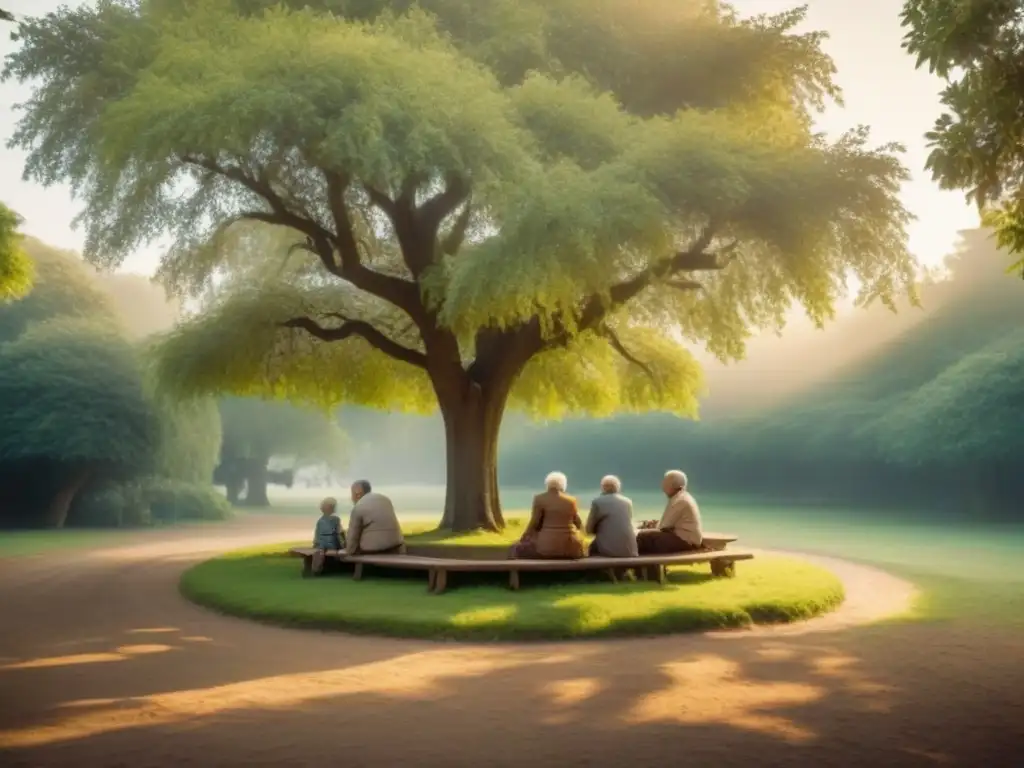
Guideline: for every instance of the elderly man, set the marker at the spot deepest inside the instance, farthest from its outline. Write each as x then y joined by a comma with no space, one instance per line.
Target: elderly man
373,527
610,522
679,529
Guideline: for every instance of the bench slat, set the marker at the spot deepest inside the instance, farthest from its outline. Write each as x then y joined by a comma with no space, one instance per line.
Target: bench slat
583,564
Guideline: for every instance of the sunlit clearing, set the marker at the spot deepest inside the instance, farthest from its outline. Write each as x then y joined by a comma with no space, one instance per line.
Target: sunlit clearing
712,690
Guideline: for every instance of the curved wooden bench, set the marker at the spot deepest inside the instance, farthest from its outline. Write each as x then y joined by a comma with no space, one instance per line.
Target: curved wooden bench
723,565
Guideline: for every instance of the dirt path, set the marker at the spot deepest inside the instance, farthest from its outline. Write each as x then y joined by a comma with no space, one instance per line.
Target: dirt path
103,664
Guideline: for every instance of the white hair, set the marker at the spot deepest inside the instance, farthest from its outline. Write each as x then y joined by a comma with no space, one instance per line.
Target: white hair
611,483
556,481
678,478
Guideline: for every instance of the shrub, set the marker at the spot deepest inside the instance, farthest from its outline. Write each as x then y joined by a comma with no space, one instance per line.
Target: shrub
172,500
120,505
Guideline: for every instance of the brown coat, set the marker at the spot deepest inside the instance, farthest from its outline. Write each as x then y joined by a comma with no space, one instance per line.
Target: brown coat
555,526
373,526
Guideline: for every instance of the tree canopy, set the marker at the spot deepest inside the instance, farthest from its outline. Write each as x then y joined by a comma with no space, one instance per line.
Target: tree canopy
63,286
978,140
74,399
265,428
503,203
15,266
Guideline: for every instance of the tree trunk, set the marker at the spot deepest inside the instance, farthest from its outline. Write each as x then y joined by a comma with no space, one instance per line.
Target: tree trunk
472,423
256,483
60,504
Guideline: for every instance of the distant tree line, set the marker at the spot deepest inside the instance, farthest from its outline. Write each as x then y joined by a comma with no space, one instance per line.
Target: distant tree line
934,417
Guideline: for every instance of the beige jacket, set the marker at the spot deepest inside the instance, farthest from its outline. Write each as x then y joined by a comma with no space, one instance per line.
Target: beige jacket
682,517
373,526
555,526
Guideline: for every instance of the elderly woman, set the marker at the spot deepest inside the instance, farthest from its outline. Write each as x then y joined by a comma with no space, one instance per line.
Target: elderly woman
555,524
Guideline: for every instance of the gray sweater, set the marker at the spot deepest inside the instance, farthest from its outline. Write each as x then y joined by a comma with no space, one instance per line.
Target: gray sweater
611,522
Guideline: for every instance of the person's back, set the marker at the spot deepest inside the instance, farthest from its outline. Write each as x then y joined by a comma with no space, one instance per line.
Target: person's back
682,517
611,523
328,533
556,524
374,526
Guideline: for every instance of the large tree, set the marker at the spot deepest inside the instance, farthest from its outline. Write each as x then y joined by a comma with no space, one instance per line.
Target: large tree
527,203
978,140
257,430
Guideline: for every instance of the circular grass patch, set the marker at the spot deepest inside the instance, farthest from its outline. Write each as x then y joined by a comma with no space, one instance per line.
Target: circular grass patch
265,584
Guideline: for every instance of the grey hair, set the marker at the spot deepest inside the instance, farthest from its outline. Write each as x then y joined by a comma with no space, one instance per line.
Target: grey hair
556,481
363,485
678,478
611,483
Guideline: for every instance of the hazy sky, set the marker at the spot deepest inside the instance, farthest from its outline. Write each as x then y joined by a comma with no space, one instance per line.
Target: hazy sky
882,89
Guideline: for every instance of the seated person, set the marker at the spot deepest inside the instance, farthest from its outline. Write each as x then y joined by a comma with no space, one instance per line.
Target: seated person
373,527
610,522
679,529
554,528
328,534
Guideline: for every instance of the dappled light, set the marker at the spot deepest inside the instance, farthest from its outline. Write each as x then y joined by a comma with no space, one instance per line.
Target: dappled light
122,653
711,690
417,675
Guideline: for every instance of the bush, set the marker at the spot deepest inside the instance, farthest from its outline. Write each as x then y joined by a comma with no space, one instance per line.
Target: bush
121,505
153,500
173,500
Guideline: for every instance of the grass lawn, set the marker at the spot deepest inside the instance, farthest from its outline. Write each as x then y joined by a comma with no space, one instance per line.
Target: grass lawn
22,543
264,583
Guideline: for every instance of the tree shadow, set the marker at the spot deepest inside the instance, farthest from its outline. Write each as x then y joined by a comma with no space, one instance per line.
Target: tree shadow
835,700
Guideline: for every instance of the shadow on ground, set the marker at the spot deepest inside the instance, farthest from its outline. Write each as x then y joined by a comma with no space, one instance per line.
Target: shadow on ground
107,665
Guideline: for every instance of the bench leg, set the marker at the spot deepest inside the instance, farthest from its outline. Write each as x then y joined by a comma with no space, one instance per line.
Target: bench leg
613,576
513,580
357,573
307,566
723,569
440,581
662,574
431,579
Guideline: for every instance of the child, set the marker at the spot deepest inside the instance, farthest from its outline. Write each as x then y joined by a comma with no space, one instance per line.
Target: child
328,535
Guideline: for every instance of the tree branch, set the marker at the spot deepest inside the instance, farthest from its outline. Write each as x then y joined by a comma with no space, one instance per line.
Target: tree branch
362,329
401,293
625,354
451,244
693,259
684,285
434,211
417,228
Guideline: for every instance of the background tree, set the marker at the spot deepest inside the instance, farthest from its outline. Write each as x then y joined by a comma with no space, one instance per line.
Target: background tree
978,141
75,411
257,430
527,204
930,418
15,266
64,286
